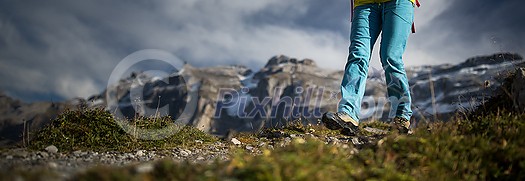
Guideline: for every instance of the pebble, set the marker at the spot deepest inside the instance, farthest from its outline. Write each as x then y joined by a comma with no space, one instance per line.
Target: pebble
144,168
43,154
235,141
52,164
51,149
248,147
84,154
65,162
356,141
21,154
354,151
262,144
287,139
184,153
188,151
140,153
375,130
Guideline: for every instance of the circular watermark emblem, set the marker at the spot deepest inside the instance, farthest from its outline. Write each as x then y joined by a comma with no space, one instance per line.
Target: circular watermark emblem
124,93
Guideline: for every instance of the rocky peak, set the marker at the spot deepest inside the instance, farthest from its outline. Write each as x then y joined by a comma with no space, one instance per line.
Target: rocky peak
282,59
492,59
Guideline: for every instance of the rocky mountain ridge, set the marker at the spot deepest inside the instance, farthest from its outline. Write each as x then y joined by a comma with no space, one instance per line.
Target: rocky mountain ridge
226,98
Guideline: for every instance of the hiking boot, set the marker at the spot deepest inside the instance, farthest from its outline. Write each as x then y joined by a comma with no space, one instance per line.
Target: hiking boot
401,124
341,121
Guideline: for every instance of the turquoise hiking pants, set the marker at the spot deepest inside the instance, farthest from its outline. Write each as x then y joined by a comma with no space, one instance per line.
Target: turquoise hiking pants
394,20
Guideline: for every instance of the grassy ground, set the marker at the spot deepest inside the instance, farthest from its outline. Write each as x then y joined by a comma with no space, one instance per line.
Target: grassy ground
96,129
483,147
491,147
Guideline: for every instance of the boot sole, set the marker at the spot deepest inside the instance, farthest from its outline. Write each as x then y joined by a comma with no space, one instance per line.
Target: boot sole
349,131
329,120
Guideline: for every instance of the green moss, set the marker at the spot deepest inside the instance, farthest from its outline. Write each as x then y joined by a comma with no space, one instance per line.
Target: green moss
382,126
96,129
248,138
491,147
376,124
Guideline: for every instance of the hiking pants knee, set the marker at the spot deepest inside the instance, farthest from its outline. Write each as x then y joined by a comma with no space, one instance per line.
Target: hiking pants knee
394,20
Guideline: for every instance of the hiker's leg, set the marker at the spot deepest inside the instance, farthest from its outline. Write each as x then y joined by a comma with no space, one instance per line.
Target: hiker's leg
397,20
366,26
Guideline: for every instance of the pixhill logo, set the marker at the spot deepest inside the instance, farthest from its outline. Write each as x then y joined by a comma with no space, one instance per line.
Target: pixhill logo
159,65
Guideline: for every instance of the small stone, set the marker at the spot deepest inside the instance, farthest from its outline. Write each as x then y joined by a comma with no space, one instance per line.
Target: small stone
22,154
51,149
77,153
140,153
9,157
235,141
354,151
356,141
43,154
270,147
198,141
184,153
188,151
287,139
144,168
262,144
375,130
248,147
52,165
84,154
200,158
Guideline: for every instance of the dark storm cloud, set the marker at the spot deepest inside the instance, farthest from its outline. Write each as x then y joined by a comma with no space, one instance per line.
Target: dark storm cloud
473,27
60,49
309,14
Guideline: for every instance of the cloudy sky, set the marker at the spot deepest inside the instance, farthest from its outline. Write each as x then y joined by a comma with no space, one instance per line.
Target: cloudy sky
61,49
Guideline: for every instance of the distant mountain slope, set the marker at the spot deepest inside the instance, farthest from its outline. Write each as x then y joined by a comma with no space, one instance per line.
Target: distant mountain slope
236,98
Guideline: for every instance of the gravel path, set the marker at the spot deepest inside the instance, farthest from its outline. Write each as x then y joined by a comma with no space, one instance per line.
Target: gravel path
69,163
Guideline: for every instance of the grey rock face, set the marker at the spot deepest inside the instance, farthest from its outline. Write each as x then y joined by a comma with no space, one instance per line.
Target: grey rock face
460,86
18,118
